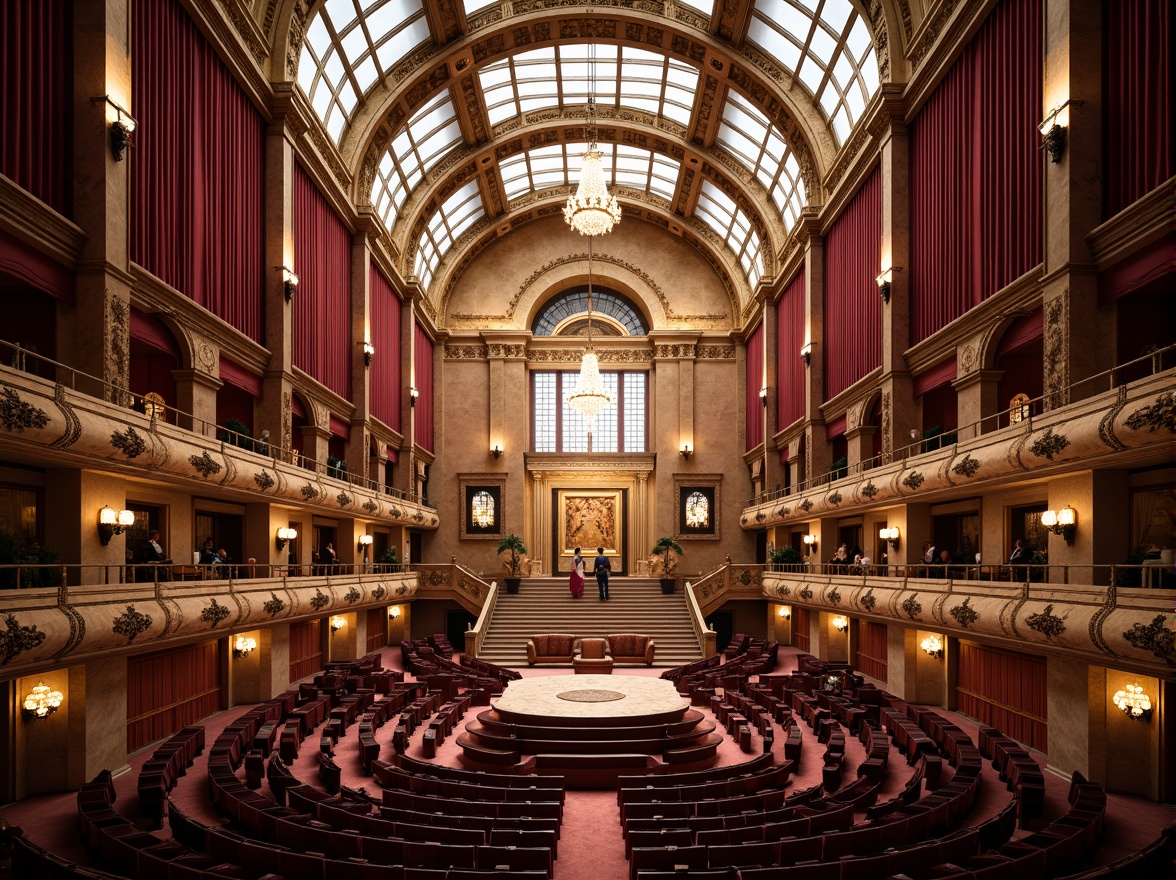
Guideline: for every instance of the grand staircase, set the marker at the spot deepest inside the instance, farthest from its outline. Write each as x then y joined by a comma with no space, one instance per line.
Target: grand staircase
635,605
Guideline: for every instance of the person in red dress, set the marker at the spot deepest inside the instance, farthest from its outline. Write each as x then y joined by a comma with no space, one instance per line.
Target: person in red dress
577,580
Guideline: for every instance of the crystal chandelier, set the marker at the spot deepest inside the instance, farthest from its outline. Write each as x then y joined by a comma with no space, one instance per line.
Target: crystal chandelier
592,211
589,398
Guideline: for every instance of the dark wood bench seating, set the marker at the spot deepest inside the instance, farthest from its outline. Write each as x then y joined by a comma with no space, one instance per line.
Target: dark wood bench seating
773,777
476,777
668,777
458,806
536,740
36,863
167,763
402,780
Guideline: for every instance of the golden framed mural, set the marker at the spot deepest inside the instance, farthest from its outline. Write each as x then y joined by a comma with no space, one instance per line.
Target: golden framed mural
589,518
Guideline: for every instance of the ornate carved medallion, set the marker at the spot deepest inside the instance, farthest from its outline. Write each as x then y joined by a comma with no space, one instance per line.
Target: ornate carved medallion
912,606
1047,623
264,481
274,605
352,595
16,639
130,623
868,601
1049,444
128,442
214,614
965,614
16,415
966,466
1154,637
319,599
204,464
913,480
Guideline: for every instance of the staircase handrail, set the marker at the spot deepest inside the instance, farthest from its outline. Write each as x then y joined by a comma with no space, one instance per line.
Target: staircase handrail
476,634
712,588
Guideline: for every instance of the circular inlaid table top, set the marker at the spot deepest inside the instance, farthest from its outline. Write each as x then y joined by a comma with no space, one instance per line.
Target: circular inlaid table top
605,699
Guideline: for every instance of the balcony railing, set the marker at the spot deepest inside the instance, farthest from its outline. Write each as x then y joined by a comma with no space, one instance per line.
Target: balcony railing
27,361
38,576
1021,414
1149,575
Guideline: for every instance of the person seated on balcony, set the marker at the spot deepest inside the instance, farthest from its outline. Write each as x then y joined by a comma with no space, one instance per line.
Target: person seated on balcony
153,552
942,564
208,555
1020,555
329,557
841,557
862,563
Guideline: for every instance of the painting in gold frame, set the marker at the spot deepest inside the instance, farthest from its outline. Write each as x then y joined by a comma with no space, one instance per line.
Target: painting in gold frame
589,518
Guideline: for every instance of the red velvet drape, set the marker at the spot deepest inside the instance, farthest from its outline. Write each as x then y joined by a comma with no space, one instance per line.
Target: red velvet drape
196,169
377,629
1137,100
36,84
424,385
755,381
853,309
169,690
306,649
1004,690
790,323
800,628
872,650
385,392
322,303
976,169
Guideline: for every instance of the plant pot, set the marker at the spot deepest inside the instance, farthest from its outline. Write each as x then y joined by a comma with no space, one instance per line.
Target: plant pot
512,584
668,584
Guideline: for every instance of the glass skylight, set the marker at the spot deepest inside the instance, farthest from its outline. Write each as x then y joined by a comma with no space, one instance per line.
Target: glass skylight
828,47
458,213
706,7
560,76
728,221
760,147
349,45
420,145
558,165
475,6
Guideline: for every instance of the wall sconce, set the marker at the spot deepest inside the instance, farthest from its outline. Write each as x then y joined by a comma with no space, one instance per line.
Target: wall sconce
337,623
785,612
1062,522
369,352
1133,702
122,126
113,522
806,352
890,536
244,646
1053,130
289,282
285,536
365,541
764,395
41,702
884,279
394,612
496,451
840,623
685,451
413,394
810,541
933,645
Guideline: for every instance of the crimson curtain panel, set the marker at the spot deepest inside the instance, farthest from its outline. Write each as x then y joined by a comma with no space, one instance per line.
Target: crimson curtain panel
385,393
168,690
1004,690
306,649
423,357
790,324
755,381
196,169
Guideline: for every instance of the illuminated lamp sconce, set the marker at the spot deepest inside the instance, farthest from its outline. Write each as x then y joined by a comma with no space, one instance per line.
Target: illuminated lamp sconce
1134,703
785,612
289,281
365,541
285,536
496,450
1053,130
122,126
113,522
41,702
890,536
806,352
413,394
885,279
840,623
933,645
394,612
763,395
337,623
1062,522
244,646
369,352
686,451
810,541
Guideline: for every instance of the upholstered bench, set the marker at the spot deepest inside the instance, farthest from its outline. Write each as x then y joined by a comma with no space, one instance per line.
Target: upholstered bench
592,656
631,648
550,648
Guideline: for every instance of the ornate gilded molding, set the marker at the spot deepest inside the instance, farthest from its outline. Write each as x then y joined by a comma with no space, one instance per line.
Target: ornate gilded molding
966,466
913,480
319,599
1046,622
131,623
204,465
1159,416
964,614
912,606
352,596
16,415
274,606
214,614
1154,637
1049,444
128,442
869,600
16,639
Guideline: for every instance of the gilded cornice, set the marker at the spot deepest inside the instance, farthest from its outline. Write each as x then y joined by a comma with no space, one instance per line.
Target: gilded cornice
1135,227
25,216
553,463
67,625
1095,624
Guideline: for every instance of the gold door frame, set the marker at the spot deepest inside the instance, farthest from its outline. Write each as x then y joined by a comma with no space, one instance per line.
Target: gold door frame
589,518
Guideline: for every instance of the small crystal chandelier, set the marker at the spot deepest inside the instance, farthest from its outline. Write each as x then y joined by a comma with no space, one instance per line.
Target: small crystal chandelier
592,211
589,398
1133,702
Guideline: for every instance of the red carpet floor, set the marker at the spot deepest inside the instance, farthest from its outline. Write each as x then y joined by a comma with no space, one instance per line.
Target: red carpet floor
590,844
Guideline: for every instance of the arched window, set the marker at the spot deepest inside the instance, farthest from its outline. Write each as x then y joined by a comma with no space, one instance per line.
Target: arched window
1018,408
482,510
566,315
697,511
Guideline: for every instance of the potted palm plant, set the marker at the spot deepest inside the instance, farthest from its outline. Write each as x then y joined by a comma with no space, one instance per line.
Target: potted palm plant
664,562
514,545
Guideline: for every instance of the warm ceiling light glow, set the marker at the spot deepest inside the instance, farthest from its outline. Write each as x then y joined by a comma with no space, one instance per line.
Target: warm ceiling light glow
1133,702
244,645
932,644
785,612
337,623
42,701
840,623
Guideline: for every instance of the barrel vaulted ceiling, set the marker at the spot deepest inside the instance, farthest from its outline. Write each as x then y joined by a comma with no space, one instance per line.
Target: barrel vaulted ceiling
456,121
